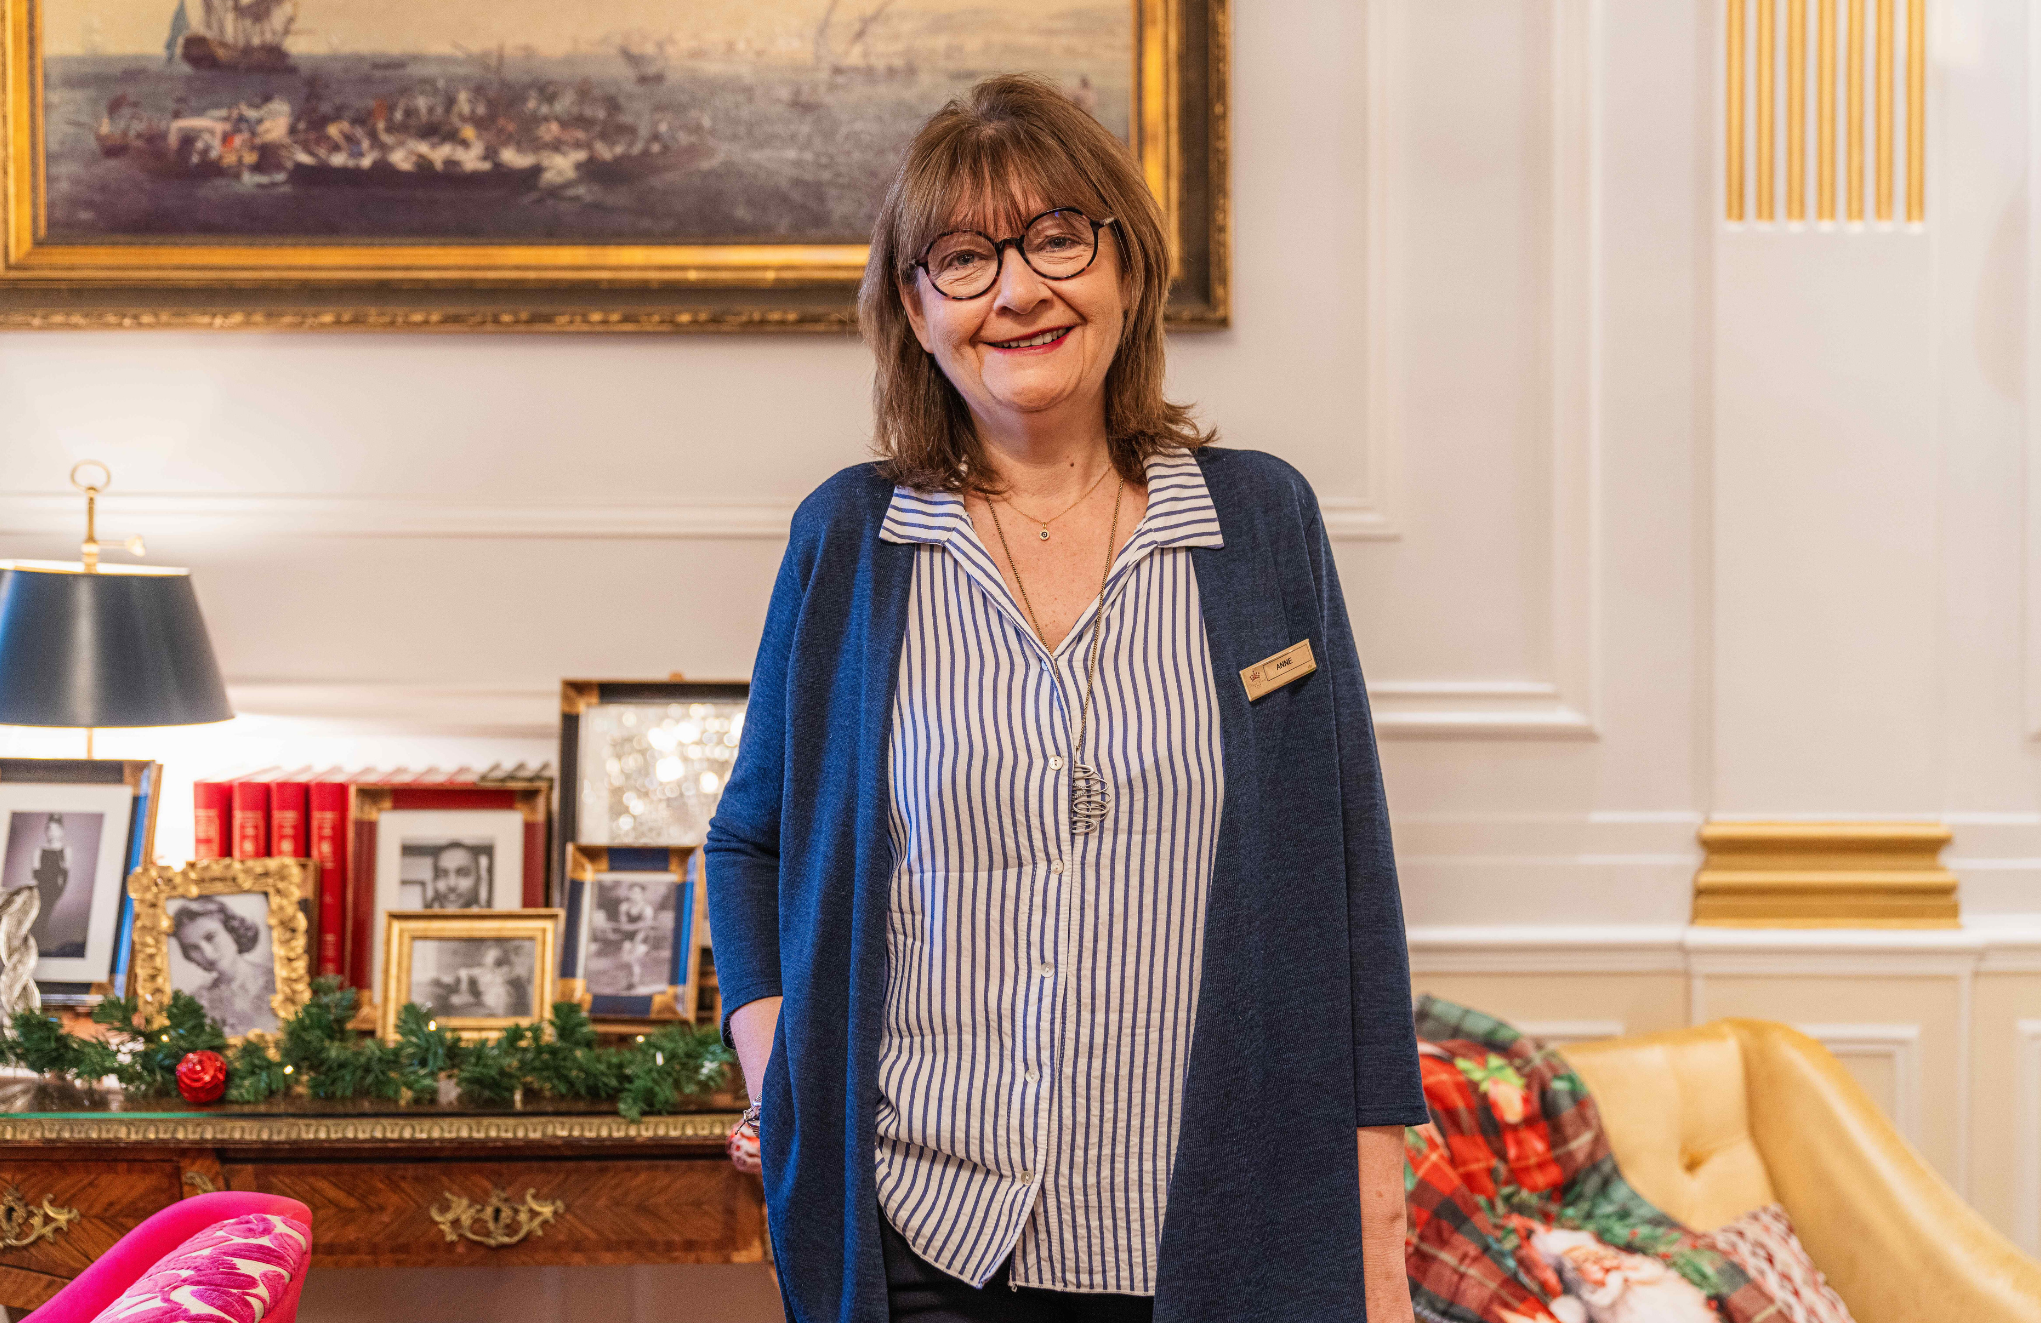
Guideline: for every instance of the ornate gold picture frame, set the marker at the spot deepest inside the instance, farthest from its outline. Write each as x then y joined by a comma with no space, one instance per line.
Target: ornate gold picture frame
232,932
110,128
474,971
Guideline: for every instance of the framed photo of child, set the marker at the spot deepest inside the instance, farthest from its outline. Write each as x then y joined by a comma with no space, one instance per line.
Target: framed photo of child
636,933
232,933
474,971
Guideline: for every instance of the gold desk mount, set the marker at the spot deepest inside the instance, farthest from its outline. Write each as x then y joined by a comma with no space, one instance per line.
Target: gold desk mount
499,1222
22,1225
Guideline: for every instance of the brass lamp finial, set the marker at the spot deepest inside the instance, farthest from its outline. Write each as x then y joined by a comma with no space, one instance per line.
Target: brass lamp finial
89,549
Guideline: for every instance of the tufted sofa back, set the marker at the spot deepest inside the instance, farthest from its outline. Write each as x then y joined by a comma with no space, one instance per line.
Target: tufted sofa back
1676,1113
1709,1123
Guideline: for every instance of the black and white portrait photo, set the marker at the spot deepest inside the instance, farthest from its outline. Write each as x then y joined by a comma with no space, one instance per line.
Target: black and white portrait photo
447,874
630,934
474,978
447,859
57,854
69,845
219,952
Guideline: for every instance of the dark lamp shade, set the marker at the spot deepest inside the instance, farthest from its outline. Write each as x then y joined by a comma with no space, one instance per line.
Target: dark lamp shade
126,646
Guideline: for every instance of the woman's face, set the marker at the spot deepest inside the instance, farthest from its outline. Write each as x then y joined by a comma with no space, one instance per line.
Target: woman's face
53,834
975,341
207,944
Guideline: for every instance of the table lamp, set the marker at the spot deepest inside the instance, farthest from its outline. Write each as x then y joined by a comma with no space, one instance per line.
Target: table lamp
88,645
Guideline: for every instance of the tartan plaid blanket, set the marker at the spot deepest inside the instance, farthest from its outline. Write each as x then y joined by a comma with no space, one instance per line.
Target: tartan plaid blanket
1516,1146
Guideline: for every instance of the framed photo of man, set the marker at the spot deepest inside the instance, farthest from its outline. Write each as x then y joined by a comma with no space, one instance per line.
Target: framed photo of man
71,830
473,971
441,845
519,164
441,860
231,933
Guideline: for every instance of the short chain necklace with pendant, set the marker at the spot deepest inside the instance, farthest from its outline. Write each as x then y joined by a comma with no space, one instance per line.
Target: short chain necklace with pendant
1089,795
1044,533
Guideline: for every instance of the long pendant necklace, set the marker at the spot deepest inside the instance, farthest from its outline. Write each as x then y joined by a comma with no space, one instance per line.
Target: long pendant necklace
1044,533
1090,797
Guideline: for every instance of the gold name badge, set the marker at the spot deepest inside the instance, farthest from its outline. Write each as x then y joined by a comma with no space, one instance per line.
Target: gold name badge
1292,663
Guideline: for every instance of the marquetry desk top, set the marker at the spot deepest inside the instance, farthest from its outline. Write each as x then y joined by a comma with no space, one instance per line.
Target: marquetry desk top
388,1185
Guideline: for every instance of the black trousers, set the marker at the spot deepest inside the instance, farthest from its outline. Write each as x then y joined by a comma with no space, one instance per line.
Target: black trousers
919,1292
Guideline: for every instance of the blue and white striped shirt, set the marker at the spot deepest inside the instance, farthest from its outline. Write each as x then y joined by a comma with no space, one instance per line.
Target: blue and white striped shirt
1042,985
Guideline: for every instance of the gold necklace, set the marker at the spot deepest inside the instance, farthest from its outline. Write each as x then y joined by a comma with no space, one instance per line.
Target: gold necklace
1090,797
1044,534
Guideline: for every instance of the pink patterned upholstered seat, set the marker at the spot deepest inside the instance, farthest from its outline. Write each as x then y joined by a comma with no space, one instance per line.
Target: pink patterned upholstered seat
234,1272
165,1234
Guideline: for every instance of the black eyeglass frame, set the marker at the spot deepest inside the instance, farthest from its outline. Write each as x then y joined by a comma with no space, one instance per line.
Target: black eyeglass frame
999,247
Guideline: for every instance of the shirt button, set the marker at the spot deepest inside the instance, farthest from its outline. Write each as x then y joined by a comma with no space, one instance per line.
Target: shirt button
1056,762
1025,1177
1031,1076
1045,969
1056,867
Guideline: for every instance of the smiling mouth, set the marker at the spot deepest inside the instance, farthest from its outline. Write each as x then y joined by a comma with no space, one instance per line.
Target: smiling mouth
1033,341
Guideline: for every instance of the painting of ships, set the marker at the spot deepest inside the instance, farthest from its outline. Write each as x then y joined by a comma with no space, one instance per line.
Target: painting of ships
647,58
237,36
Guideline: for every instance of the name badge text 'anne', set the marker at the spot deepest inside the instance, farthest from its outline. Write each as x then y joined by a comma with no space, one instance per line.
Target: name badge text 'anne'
1292,663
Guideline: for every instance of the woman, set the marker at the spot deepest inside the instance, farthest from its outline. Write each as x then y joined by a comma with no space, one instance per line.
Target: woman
52,874
217,940
1064,960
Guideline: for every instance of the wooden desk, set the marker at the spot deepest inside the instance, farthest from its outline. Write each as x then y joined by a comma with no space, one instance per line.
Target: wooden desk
388,1186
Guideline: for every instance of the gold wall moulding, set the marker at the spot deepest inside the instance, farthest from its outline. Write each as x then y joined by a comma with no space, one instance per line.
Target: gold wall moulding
1751,72
282,201
22,1226
1824,875
498,1223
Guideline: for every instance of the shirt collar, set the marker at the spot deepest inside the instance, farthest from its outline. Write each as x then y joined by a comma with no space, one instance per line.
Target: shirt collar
1180,510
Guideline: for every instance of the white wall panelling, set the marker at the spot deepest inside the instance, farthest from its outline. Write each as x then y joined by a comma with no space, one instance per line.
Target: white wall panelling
1899,1046
2027,1137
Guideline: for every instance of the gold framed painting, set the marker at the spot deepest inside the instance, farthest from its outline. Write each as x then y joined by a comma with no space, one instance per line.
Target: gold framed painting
514,164
476,972
232,933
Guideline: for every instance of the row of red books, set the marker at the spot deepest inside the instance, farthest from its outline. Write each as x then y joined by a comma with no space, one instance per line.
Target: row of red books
302,813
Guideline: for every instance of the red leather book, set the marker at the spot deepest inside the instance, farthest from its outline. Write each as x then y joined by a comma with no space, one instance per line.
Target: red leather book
212,807
251,819
287,820
327,838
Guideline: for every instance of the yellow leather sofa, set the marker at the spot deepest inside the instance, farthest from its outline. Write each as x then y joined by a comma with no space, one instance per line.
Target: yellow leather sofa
1712,1122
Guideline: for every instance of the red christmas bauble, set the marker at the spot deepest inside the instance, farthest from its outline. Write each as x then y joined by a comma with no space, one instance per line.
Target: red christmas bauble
202,1077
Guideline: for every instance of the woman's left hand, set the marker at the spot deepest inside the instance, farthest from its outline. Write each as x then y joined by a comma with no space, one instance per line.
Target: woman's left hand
1382,1224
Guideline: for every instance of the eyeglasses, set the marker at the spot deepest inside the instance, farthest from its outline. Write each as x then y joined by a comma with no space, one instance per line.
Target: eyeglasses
1056,245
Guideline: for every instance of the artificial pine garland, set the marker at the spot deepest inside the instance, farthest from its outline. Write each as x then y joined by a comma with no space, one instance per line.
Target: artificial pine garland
314,1051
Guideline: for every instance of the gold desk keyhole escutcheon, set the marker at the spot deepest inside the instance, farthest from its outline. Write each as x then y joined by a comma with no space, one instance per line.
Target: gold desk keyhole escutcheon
22,1226
497,1223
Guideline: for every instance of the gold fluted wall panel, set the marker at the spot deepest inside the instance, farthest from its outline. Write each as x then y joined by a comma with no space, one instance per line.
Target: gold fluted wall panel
1759,57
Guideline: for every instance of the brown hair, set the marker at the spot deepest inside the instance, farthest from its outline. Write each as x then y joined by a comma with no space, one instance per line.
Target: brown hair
1013,140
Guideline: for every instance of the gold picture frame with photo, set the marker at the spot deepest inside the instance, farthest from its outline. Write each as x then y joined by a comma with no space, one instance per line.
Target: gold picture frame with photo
662,957
511,165
234,933
469,969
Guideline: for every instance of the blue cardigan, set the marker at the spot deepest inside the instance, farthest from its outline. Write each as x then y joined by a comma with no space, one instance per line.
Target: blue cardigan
1303,1028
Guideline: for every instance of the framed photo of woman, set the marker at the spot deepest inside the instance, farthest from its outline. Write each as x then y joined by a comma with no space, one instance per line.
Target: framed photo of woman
636,934
229,932
72,830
